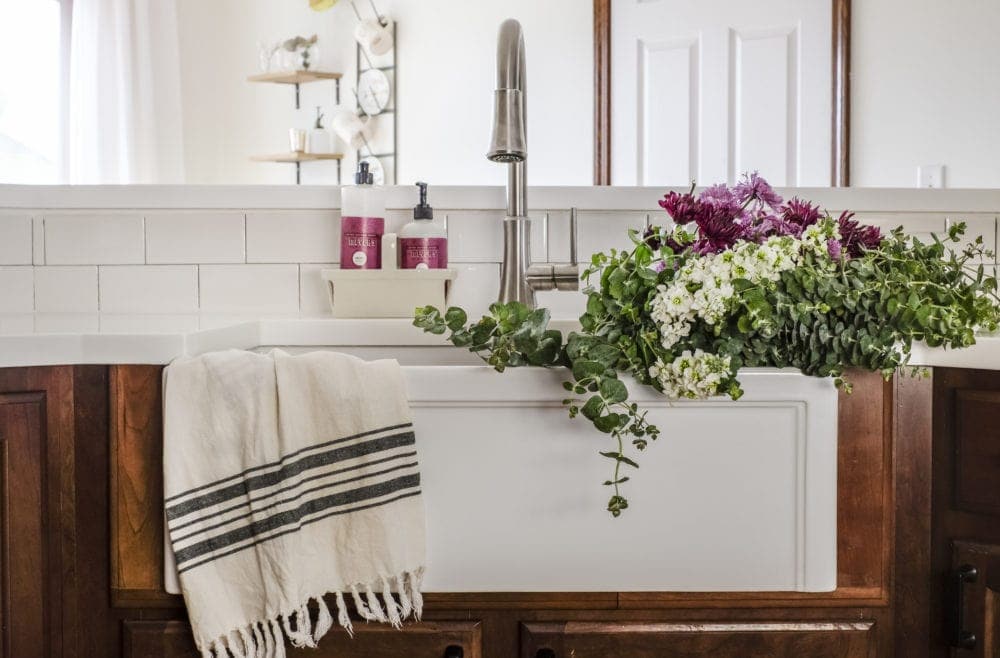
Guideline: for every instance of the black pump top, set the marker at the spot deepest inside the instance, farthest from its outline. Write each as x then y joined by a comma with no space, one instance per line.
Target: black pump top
363,177
422,210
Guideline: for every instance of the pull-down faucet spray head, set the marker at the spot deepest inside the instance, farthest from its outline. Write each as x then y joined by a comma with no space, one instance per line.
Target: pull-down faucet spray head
509,141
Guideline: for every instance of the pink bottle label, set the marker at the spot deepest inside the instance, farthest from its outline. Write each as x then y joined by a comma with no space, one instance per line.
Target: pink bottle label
423,253
361,243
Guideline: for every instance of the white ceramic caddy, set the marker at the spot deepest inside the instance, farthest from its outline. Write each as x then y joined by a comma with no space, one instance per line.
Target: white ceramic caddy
390,292
733,496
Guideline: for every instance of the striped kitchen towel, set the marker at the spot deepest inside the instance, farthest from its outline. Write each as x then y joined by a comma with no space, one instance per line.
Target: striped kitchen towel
287,478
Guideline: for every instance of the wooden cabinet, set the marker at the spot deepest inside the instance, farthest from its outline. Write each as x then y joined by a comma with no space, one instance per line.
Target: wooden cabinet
845,639
433,639
965,607
81,549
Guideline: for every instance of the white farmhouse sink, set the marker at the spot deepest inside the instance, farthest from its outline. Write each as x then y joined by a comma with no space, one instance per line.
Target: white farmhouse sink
734,496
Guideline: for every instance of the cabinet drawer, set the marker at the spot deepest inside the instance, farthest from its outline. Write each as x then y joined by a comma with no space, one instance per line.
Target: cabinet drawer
686,640
431,639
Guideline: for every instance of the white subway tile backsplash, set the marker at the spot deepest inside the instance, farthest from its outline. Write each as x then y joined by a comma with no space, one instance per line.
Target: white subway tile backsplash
198,237
293,237
149,289
600,230
264,288
94,240
37,241
475,236
66,289
17,289
475,288
15,240
313,297
558,237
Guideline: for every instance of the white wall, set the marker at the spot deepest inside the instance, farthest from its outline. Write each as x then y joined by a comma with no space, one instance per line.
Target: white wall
925,90
446,56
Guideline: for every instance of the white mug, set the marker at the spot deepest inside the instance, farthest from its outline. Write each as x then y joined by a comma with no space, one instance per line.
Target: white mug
297,139
350,128
374,36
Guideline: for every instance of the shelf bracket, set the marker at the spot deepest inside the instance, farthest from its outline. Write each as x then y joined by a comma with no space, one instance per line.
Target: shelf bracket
296,95
298,167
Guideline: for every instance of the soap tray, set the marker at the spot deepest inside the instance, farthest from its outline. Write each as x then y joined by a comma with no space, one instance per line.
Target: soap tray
388,292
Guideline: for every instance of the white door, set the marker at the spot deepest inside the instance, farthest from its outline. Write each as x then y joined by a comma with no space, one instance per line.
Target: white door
703,90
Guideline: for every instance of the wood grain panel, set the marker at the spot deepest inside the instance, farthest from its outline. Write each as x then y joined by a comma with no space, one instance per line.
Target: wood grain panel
602,92
24,564
912,439
841,123
172,639
39,574
847,639
137,487
977,451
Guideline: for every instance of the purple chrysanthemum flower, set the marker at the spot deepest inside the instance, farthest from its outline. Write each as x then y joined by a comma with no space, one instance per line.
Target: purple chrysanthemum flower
833,247
800,214
682,208
717,232
753,187
718,195
856,237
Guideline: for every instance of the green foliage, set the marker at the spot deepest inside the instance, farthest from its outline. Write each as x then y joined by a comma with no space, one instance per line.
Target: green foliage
822,316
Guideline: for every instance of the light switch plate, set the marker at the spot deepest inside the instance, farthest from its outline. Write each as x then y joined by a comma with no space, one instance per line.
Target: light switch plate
930,176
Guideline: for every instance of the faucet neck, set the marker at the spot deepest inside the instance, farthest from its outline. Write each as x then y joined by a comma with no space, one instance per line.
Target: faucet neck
517,189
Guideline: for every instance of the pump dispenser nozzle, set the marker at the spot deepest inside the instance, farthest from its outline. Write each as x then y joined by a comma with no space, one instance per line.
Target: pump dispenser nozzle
422,210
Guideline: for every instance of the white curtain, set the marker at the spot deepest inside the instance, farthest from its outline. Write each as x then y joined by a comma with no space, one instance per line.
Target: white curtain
125,93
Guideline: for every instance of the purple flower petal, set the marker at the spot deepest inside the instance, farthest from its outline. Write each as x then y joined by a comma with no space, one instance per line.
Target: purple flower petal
753,187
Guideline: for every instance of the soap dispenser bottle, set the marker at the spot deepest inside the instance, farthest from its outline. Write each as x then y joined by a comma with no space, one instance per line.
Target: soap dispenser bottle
423,245
362,222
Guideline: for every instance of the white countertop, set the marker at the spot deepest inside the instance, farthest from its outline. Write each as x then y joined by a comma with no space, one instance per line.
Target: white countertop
40,339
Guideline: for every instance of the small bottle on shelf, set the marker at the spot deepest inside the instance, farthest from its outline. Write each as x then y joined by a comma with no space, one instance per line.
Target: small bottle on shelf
423,244
362,222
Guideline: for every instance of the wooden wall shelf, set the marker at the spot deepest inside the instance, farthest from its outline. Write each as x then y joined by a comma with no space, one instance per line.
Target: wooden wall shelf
294,77
297,158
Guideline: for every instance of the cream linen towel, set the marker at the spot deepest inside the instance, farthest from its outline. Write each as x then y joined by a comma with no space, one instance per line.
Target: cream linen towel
287,478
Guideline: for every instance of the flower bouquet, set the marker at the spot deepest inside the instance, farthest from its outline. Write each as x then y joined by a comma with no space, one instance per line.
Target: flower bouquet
738,278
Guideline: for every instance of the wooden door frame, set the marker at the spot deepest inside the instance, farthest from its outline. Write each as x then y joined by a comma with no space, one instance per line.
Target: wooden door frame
840,170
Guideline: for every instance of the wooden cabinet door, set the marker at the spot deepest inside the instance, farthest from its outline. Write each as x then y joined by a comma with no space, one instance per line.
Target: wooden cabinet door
24,565
687,640
428,639
979,600
966,514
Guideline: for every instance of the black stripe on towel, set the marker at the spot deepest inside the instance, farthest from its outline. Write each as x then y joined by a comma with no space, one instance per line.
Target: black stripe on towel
249,503
291,499
304,523
283,459
272,478
294,517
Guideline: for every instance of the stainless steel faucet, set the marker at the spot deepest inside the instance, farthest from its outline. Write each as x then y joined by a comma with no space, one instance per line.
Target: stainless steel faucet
519,279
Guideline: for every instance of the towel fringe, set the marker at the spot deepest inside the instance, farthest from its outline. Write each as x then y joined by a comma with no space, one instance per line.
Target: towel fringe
266,638
391,608
343,618
359,604
374,605
405,604
279,638
324,622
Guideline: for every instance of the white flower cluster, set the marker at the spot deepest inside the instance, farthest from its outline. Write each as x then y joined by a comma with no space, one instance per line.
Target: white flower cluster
692,376
703,285
816,237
